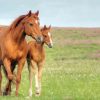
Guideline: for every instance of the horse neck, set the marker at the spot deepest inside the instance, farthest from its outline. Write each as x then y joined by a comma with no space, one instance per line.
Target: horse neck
18,34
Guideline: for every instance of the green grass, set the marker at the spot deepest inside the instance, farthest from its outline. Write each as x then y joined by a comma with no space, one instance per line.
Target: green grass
71,71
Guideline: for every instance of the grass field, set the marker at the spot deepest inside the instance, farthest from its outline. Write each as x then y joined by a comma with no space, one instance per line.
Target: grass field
72,68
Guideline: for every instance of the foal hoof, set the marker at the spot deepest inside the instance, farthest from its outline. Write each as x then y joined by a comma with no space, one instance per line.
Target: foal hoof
37,93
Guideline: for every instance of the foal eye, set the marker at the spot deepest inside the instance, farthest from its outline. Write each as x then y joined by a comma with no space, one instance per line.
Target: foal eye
30,24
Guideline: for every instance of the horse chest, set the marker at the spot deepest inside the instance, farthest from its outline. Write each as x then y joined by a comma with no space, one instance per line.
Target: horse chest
14,52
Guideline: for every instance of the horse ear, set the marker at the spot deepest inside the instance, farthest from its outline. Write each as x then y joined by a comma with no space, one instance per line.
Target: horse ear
29,13
37,13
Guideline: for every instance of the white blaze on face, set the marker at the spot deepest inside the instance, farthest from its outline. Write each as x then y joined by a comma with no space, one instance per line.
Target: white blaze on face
50,38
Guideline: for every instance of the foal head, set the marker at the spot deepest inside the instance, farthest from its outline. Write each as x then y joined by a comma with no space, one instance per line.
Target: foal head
47,36
30,23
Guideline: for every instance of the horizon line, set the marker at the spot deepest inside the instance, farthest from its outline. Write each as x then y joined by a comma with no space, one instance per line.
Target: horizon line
2,25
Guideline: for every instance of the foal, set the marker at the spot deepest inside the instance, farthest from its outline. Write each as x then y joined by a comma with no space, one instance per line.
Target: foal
36,56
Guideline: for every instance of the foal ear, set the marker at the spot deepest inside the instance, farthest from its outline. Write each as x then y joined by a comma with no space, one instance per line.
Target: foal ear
29,13
37,13
45,27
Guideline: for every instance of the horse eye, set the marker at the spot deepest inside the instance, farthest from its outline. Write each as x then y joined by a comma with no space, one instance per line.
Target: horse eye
30,24
45,36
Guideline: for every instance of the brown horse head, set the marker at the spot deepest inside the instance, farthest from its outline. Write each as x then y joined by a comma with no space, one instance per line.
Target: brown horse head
30,25
47,36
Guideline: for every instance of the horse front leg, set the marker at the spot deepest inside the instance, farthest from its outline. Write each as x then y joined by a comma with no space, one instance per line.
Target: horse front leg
38,77
7,90
19,71
8,86
7,65
0,80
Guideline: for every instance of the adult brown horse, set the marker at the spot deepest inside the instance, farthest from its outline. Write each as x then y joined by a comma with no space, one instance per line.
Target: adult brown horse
13,46
36,56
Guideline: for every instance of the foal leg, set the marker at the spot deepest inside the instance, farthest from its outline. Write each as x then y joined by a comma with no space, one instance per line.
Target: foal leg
0,80
38,77
19,71
30,79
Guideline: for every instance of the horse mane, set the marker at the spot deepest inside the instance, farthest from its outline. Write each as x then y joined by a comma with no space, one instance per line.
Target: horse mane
17,22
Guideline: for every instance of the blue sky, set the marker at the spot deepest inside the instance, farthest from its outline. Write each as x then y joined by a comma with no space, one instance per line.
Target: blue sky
65,13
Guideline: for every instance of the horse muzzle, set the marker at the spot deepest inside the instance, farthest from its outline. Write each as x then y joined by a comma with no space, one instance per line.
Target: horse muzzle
39,39
50,45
